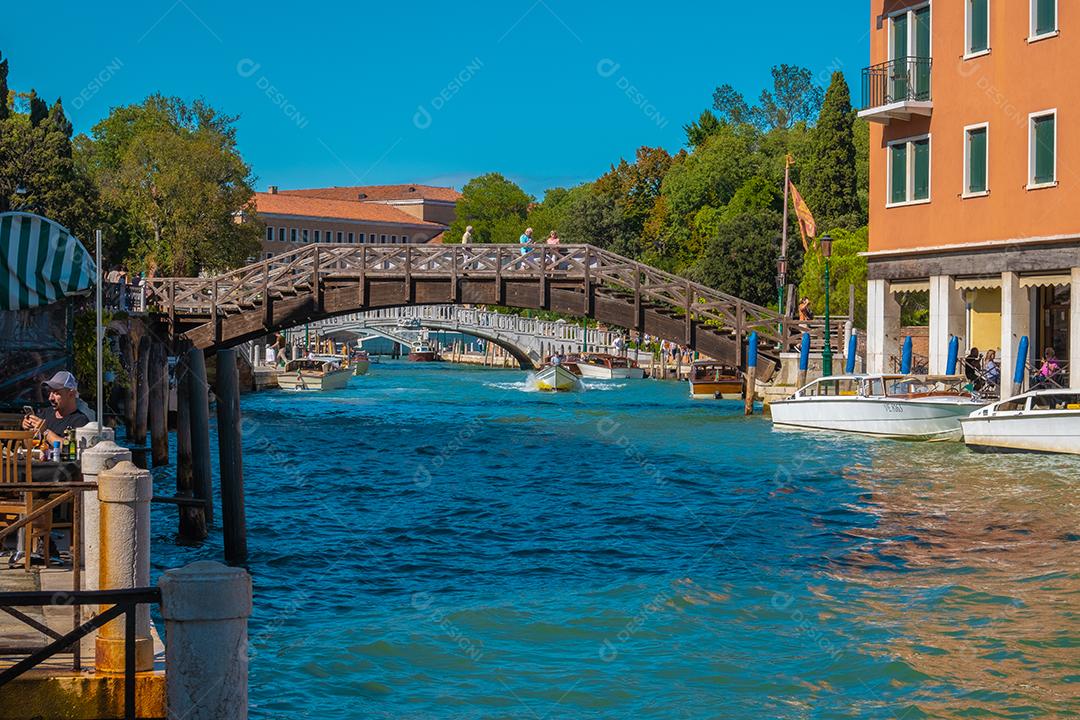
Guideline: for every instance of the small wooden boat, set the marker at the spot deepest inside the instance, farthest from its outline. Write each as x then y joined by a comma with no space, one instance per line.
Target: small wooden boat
601,366
1046,421
359,362
424,353
556,378
892,406
712,380
314,374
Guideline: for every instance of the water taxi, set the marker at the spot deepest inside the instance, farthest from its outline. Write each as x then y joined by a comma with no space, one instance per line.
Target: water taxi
313,374
556,378
359,362
601,366
711,380
1046,421
891,406
423,352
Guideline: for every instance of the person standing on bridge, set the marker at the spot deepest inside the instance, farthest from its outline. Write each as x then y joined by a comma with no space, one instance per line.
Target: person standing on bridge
525,240
467,236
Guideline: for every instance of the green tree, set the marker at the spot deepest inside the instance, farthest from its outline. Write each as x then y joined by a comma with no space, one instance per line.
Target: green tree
5,111
794,98
699,130
741,258
38,109
831,180
175,185
731,105
846,267
496,208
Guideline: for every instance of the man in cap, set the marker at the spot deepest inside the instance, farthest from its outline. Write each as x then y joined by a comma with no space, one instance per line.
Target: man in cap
63,394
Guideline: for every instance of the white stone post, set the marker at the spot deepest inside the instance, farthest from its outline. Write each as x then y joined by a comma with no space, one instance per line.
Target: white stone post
882,326
206,606
90,435
102,456
1074,331
124,495
947,318
1015,323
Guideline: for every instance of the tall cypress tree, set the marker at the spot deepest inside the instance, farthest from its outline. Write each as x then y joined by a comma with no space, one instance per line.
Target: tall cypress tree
39,110
831,179
4,111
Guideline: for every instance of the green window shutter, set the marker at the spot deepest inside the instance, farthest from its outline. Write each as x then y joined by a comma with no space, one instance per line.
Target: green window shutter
980,25
899,75
921,161
1044,149
977,161
921,69
898,180
1045,16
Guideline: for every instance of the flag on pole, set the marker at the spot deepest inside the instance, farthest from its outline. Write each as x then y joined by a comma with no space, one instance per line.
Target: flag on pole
807,226
40,262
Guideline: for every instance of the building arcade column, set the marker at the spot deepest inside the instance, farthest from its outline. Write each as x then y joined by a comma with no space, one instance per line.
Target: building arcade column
882,325
947,319
1074,330
1015,323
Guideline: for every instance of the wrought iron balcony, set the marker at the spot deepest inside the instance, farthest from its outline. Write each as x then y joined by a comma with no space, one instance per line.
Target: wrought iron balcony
896,90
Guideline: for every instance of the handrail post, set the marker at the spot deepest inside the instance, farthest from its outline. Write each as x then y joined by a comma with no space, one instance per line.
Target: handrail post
268,303
586,283
454,249
213,311
363,276
408,273
689,310
498,275
316,295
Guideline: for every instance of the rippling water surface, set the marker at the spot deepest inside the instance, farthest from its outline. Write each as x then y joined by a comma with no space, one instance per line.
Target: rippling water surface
441,542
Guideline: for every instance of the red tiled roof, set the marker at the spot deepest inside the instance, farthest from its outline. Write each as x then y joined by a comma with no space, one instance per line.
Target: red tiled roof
438,239
376,193
281,204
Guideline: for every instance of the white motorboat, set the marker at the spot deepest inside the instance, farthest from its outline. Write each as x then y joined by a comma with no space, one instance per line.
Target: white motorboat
556,378
601,366
892,406
1045,421
313,374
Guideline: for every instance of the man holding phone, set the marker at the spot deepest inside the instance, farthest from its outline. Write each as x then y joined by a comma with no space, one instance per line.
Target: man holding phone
63,393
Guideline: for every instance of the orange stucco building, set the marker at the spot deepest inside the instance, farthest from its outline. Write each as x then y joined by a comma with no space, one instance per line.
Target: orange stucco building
974,192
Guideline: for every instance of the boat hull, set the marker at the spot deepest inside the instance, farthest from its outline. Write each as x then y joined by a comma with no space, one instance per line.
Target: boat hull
424,356
597,372
927,419
556,378
1042,432
360,367
306,380
724,390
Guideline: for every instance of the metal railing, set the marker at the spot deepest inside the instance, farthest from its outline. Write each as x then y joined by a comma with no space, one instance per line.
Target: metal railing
123,297
900,80
122,602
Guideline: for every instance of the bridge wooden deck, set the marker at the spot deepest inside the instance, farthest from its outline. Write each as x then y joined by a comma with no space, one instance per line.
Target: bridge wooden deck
326,280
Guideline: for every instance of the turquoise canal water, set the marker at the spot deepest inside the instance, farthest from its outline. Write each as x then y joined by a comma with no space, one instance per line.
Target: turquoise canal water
438,542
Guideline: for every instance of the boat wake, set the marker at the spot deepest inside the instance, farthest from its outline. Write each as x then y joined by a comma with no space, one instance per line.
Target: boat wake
600,385
527,385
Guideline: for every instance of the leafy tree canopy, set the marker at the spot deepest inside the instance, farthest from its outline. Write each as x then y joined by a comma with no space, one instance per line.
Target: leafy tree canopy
846,268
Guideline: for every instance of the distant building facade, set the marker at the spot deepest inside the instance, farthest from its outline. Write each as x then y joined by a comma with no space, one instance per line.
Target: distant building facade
376,214
973,197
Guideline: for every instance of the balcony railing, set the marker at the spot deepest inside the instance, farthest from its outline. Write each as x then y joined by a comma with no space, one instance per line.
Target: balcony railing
896,89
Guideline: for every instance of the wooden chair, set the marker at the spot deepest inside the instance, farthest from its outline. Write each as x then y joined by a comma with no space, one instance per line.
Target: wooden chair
14,503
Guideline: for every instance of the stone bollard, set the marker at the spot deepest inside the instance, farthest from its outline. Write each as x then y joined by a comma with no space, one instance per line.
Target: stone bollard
90,435
101,457
124,496
206,606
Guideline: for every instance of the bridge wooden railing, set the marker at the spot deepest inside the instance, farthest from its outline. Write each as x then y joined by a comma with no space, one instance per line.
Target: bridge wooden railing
312,267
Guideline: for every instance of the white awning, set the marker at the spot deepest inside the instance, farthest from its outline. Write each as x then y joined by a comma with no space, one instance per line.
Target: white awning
983,283
906,286
1051,280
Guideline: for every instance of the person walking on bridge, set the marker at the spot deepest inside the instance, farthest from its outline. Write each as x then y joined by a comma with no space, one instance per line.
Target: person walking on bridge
525,240
467,236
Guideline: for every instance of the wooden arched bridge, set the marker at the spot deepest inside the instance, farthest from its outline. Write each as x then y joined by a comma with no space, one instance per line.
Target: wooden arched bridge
323,281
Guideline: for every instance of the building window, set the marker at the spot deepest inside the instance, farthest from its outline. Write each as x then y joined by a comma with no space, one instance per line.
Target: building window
909,171
269,234
909,50
978,27
351,241
393,238
1042,148
383,239
281,234
1044,21
305,234
976,156
269,255
361,236
292,234
339,236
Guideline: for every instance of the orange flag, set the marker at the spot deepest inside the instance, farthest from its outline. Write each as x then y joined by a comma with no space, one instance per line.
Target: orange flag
807,226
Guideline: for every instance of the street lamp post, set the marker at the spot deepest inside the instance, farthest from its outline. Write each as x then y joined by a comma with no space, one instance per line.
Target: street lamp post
826,354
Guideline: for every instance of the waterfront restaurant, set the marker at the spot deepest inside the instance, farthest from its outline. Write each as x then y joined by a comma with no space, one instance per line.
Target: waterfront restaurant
377,214
974,175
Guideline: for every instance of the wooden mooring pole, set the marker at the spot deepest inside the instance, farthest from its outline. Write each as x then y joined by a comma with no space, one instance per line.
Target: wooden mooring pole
192,517
199,408
158,378
230,456
751,374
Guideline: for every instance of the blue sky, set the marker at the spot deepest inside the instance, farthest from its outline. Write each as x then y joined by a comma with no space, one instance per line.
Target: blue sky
547,92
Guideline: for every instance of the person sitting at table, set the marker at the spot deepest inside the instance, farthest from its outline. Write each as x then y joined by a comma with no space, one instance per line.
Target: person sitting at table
63,397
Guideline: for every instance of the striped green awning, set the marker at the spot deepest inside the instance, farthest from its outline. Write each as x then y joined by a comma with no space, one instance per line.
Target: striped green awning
42,262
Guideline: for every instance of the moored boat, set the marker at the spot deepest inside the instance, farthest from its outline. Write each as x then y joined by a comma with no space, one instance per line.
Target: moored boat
423,352
1046,421
556,378
892,406
359,362
601,366
314,374
713,380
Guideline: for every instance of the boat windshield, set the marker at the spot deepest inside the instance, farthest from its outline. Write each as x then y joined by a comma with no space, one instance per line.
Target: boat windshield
1055,401
911,386
714,373
830,387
